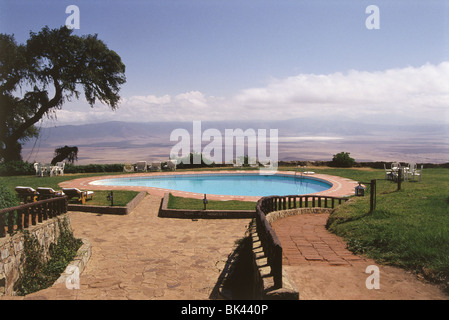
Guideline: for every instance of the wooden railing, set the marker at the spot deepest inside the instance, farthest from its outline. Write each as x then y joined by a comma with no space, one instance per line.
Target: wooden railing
21,217
270,243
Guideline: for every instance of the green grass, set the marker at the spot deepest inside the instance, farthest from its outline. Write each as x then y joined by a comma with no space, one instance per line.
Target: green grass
121,198
409,228
197,204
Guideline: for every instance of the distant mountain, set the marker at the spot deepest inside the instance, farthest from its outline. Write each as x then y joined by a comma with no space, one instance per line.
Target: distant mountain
122,141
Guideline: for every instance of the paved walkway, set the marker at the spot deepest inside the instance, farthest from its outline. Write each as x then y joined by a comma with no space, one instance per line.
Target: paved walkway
323,269
142,256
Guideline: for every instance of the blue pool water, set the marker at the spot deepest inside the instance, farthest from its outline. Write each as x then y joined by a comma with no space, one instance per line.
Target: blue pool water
226,184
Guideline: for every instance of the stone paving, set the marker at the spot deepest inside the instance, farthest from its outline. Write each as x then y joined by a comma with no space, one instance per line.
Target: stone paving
305,240
141,256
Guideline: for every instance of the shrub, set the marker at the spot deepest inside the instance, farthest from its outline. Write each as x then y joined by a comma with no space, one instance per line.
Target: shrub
16,168
7,199
343,160
39,273
92,168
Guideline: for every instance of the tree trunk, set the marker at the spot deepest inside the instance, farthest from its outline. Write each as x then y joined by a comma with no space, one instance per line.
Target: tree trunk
11,151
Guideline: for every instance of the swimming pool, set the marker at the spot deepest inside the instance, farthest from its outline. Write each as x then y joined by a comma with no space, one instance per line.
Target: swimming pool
226,184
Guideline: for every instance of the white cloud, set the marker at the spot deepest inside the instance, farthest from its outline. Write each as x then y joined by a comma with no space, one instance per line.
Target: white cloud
408,90
411,91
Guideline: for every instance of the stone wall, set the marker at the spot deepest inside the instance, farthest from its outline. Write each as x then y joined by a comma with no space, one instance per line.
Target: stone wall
11,250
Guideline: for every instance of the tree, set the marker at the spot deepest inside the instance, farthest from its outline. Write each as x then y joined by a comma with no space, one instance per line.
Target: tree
342,159
53,67
69,153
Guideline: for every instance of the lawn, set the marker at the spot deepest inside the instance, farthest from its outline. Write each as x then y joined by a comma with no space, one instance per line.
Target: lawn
121,198
409,228
196,204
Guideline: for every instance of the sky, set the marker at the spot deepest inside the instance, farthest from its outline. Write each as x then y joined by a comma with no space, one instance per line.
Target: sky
259,59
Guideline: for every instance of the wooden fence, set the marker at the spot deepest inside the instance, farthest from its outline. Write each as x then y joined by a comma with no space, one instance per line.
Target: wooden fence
21,217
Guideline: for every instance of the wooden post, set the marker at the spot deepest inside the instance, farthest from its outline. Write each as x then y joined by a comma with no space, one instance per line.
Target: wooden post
372,201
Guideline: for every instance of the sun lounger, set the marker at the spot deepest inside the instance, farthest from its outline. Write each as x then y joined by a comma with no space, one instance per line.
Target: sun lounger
47,193
141,166
77,193
128,167
171,165
27,194
155,166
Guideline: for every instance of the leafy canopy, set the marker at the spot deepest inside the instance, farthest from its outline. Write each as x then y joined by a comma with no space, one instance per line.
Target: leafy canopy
53,67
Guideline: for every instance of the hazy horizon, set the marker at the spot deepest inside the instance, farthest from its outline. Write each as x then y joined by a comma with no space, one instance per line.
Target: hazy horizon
299,140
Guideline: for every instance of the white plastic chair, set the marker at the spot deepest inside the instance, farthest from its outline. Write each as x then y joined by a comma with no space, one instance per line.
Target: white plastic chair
388,173
410,170
38,168
418,173
59,168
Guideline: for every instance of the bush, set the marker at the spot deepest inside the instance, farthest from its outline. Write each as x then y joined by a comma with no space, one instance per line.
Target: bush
16,168
342,160
92,168
39,273
7,199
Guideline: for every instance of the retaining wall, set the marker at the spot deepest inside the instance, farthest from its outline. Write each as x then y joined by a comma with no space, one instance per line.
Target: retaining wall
12,247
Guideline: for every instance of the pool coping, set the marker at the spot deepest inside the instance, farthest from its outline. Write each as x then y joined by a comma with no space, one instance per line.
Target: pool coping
341,187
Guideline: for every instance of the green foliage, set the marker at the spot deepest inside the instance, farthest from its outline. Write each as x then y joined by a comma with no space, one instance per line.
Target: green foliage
16,168
31,279
342,160
408,229
63,153
197,204
93,168
56,62
38,273
7,198
22,168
